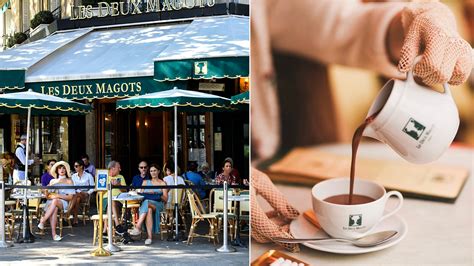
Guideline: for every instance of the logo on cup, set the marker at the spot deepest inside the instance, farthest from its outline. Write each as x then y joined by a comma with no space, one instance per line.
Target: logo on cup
355,220
414,129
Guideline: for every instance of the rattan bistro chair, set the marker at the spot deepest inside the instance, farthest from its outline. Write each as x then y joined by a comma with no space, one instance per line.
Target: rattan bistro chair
198,214
217,207
168,218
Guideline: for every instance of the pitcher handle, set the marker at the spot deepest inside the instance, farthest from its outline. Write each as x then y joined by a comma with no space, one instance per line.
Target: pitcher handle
411,79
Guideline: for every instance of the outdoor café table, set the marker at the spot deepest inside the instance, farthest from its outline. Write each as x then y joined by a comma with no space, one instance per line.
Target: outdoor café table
237,198
126,196
439,233
28,236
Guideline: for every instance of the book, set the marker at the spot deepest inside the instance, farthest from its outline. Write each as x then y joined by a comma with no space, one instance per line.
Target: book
435,181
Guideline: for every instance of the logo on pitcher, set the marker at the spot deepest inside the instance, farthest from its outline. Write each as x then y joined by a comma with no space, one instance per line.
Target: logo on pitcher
355,220
414,129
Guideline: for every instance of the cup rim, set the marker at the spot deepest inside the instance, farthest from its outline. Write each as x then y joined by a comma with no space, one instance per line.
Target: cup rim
357,179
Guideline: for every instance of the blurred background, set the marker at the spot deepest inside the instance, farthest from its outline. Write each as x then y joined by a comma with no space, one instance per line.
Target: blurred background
332,115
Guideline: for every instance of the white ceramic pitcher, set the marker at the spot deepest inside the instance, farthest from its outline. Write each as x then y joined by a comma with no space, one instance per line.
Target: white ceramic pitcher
418,122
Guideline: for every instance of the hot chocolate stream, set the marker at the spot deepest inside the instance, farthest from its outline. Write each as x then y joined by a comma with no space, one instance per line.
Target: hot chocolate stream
355,146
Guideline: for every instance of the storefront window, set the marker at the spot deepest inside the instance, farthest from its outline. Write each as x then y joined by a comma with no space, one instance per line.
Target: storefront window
109,137
48,136
196,138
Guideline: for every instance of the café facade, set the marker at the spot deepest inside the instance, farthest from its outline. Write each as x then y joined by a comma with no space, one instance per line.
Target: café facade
111,51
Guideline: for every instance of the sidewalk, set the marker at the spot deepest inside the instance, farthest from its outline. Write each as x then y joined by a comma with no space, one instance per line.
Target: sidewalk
76,246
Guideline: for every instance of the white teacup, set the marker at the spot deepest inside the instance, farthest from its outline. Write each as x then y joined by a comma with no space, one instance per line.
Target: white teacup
351,221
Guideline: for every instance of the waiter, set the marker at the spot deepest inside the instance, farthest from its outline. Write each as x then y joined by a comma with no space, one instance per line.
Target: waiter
20,159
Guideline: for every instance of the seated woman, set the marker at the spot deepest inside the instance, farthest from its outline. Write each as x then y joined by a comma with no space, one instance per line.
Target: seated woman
61,171
81,178
152,205
226,174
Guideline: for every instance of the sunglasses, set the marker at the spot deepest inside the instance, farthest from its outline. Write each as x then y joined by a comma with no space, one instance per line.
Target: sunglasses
143,167
76,165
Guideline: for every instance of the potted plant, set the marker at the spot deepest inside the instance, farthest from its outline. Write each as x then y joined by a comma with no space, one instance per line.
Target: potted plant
17,38
41,20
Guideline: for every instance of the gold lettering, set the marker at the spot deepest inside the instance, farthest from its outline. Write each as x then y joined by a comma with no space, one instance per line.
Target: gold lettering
82,12
190,5
42,89
136,7
167,5
117,87
109,88
56,91
89,89
200,3
89,13
74,13
73,90
66,90
122,8
99,89
124,90
103,6
131,84
176,4
114,9
153,6
211,3
139,86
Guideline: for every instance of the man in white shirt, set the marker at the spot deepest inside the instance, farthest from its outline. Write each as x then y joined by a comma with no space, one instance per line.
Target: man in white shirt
20,160
169,179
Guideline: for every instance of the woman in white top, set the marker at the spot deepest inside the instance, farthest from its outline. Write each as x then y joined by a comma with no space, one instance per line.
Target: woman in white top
81,178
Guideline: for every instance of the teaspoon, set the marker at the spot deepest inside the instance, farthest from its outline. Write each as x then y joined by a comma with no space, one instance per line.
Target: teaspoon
366,241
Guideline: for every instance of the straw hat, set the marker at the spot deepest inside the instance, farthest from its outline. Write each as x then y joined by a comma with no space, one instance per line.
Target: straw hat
55,166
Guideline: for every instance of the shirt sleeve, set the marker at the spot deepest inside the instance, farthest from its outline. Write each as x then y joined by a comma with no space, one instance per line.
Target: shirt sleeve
350,33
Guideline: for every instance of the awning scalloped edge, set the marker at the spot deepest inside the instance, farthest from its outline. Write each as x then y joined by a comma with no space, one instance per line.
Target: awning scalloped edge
63,109
200,78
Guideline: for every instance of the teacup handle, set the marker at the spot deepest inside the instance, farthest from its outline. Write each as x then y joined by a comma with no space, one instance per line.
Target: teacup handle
411,79
392,212
399,206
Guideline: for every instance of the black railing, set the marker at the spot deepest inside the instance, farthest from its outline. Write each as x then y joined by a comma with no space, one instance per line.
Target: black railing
57,13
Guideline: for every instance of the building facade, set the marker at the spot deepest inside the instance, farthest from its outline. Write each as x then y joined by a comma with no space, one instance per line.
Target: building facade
133,135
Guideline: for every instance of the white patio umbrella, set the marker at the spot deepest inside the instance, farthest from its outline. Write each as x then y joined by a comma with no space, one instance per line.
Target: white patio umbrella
38,104
182,100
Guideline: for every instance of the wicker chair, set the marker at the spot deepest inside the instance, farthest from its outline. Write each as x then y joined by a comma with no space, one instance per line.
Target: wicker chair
198,214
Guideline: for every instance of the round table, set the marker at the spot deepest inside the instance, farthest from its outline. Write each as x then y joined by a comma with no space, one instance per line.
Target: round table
238,198
28,237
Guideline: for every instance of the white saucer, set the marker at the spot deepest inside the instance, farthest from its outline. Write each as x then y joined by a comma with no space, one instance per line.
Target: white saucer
301,228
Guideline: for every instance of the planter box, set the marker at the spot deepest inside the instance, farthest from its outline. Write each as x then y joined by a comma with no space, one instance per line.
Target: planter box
39,29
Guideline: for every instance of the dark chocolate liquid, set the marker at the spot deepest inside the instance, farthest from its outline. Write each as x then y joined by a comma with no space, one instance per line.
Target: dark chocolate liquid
355,145
344,199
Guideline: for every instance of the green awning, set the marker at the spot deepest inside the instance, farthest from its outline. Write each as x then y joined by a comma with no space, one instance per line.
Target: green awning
4,5
185,100
99,88
12,79
242,98
209,48
206,68
40,104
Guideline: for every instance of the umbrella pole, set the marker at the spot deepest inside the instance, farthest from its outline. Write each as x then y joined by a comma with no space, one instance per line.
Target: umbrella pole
27,237
176,238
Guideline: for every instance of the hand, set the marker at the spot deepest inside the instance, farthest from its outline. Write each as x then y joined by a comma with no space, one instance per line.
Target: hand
266,226
430,30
